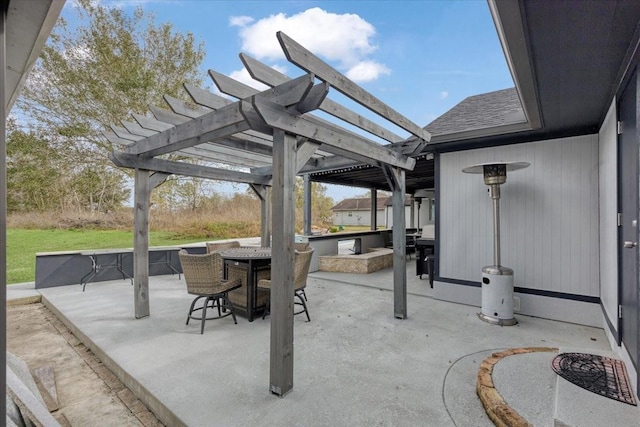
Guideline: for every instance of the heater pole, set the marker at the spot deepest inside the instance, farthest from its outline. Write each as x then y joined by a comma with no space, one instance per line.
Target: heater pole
494,190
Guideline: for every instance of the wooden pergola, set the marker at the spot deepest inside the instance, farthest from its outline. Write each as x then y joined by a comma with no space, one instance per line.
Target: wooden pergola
274,134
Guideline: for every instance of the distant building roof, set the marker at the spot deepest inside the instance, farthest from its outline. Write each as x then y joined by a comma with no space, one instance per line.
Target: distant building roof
364,203
486,110
360,204
407,201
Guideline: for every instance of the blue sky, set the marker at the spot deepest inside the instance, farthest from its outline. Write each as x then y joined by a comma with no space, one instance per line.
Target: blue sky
419,57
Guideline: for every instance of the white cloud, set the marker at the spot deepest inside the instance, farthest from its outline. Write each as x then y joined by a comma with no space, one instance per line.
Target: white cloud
240,21
243,76
367,71
345,39
444,94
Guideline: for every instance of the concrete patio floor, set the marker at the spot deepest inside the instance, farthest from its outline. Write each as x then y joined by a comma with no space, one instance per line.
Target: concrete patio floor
355,364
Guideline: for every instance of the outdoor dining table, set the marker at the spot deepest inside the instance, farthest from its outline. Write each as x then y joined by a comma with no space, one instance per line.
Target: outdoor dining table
253,259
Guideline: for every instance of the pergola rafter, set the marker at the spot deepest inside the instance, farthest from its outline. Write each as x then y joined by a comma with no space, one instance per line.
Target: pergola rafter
274,135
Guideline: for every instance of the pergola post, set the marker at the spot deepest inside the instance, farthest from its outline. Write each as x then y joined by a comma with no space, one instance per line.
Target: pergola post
264,194
396,178
142,196
374,209
282,265
307,205
412,213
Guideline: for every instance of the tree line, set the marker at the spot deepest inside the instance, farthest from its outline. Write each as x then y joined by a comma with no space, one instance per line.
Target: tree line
94,73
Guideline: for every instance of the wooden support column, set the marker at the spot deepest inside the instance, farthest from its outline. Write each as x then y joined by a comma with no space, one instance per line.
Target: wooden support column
3,201
282,263
396,178
307,205
264,194
412,213
374,209
142,196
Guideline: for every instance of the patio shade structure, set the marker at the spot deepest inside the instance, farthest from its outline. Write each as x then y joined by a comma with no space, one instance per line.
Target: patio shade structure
275,136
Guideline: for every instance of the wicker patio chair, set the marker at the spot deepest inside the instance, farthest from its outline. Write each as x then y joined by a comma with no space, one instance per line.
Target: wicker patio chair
301,271
301,247
220,246
203,276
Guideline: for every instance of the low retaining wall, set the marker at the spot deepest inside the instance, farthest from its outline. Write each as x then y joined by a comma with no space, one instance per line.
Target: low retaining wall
68,268
373,260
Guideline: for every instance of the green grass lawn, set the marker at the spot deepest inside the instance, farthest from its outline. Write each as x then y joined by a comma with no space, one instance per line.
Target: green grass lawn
22,246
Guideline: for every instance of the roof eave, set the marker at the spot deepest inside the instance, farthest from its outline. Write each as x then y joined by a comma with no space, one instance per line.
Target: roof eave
480,133
507,17
23,50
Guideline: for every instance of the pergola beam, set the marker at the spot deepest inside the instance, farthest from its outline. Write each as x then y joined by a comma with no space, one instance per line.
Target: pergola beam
267,75
306,60
335,139
131,161
277,117
225,150
216,123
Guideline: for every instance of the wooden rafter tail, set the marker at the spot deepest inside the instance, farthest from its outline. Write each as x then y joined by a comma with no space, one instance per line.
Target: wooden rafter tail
115,139
136,129
151,123
179,106
271,77
123,133
231,87
303,58
286,94
167,116
205,98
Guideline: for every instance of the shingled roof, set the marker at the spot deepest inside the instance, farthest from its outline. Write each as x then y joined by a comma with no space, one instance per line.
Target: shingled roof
487,110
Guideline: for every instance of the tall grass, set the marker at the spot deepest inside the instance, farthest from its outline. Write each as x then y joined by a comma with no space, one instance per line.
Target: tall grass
23,244
29,233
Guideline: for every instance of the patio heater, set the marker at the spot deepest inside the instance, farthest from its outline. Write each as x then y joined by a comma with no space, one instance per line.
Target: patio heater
497,280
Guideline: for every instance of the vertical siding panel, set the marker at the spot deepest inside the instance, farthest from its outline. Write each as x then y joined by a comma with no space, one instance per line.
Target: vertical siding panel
549,215
595,218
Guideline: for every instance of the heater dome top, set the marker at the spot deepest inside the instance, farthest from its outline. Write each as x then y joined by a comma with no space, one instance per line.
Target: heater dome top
510,166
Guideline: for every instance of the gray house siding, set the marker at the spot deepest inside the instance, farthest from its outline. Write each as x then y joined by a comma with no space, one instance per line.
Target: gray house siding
549,217
608,217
